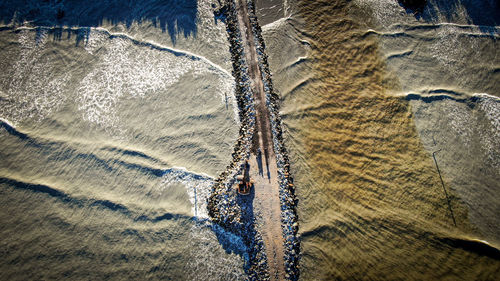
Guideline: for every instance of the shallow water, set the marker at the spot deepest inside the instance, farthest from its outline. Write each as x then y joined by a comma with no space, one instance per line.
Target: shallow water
111,136
370,91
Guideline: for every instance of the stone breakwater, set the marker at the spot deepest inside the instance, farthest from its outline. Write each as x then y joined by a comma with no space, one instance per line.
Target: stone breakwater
225,206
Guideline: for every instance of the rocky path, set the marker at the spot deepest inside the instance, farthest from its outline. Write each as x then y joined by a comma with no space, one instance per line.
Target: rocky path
263,167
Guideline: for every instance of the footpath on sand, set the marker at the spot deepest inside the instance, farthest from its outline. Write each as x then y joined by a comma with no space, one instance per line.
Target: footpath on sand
265,176
266,218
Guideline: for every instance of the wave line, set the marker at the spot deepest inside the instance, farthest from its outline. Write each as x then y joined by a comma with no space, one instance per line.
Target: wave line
147,43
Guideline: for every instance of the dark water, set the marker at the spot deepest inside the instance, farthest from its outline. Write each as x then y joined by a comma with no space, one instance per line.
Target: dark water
175,16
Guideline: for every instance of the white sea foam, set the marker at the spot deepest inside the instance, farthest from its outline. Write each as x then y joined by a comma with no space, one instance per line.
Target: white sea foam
7,122
449,49
125,68
275,24
490,136
385,12
198,187
127,71
210,261
34,89
487,96
287,7
460,120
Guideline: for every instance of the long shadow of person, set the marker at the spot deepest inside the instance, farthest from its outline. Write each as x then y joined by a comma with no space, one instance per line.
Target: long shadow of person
259,162
255,265
244,227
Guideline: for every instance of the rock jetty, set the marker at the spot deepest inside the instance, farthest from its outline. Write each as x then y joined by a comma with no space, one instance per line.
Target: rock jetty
234,212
